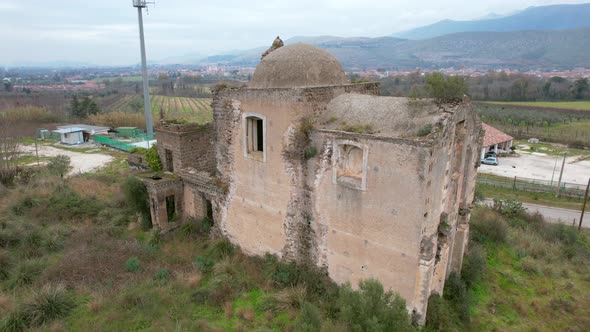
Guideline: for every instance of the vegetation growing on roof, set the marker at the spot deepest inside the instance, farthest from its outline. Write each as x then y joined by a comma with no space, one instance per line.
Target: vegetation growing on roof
449,89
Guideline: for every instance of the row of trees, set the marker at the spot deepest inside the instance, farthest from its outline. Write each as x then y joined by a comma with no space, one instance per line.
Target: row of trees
496,86
83,108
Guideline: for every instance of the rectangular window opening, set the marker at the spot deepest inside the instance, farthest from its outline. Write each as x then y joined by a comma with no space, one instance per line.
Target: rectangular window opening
254,137
209,210
169,161
171,208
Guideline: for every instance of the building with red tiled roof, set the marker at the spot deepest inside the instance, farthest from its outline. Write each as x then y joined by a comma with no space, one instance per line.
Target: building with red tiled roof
494,140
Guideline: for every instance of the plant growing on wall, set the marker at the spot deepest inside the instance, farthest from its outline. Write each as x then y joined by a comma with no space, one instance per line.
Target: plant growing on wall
153,159
445,89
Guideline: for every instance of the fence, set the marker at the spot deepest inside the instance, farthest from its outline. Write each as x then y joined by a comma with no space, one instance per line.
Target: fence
533,185
124,145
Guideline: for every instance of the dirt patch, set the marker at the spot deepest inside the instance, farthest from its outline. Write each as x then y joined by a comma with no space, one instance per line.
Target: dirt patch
82,162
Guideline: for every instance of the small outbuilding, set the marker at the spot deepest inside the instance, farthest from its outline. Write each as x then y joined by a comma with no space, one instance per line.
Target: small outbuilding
87,130
495,140
71,136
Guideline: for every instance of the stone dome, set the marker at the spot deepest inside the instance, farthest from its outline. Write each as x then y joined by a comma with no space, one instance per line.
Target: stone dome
298,65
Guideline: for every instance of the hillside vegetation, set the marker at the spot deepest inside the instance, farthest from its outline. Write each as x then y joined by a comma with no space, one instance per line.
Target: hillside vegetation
564,49
73,259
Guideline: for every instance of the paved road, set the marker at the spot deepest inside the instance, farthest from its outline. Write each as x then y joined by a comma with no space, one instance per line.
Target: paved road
553,214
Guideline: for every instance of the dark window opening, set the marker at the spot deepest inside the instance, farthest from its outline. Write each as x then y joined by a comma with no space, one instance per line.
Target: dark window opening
171,208
259,133
169,161
210,210
254,134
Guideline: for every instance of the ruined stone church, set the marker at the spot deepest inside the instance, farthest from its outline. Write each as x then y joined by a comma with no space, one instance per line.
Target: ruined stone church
304,164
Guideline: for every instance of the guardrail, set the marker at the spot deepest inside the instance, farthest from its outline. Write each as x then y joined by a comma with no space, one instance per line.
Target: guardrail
533,185
123,145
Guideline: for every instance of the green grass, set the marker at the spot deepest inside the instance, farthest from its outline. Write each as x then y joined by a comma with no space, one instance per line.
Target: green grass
512,299
551,149
573,105
546,199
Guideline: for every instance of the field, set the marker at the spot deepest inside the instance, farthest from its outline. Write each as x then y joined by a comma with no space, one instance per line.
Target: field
191,110
567,126
566,105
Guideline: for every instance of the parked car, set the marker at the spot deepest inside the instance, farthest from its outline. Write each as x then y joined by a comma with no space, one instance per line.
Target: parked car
490,161
490,154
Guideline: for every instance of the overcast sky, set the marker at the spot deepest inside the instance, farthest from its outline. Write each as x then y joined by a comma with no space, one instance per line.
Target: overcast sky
105,32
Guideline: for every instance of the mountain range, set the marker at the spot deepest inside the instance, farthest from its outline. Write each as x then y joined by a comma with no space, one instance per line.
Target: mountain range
550,37
563,49
554,17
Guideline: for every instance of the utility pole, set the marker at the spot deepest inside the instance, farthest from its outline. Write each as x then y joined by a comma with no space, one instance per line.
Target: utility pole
140,5
584,205
561,175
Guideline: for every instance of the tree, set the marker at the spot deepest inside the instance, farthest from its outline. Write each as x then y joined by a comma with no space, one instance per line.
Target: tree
75,106
580,87
8,86
445,89
59,165
84,108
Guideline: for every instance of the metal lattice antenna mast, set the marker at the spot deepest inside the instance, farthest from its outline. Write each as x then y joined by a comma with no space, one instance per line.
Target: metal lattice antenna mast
140,5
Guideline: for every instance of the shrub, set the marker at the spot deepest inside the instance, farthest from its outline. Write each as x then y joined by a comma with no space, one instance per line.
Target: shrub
137,198
309,319
204,264
162,276
50,303
509,208
153,159
456,293
424,130
59,165
25,272
285,274
15,321
132,265
66,204
439,316
388,311
310,152
473,265
200,296
220,249
487,225
23,205
196,228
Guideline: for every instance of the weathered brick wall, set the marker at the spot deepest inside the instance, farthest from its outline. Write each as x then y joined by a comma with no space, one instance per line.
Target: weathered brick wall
191,146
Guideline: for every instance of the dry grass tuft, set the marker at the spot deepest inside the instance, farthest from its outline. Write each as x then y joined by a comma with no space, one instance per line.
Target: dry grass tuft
94,257
96,304
6,304
100,190
249,314
190,279
228,308
57,327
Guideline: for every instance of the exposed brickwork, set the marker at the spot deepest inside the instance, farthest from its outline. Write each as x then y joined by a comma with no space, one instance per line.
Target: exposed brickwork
158,190
190,145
